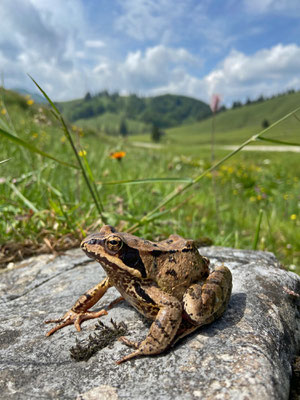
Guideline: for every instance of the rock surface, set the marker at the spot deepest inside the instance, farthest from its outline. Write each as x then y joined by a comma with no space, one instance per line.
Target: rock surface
246,354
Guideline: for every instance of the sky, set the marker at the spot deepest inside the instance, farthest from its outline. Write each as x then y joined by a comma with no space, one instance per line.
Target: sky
238,49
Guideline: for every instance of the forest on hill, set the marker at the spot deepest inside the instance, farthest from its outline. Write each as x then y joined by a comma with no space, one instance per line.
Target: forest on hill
163,111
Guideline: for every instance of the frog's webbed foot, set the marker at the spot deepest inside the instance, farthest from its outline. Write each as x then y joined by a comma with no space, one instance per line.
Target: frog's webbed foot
79,312
72,317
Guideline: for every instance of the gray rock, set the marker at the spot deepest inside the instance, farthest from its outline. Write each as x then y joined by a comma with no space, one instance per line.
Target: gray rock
246,354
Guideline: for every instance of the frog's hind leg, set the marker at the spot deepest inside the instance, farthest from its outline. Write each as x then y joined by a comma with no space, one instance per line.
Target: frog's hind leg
205,302
164,327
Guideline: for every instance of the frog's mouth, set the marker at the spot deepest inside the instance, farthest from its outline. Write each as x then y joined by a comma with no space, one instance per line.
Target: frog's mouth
91,246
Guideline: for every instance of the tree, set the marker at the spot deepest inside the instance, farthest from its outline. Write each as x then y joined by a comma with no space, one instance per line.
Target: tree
123,128
222,109
88,96
236,104
156,133
265,123
260,99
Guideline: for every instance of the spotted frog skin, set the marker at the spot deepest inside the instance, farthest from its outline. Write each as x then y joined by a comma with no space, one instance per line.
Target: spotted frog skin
168,282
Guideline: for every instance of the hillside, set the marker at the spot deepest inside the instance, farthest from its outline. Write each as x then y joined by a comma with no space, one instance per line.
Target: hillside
236,125
231,127
38,98
105,111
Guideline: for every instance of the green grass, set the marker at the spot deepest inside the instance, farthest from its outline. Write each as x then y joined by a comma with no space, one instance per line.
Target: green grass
235,126
110,123
41,199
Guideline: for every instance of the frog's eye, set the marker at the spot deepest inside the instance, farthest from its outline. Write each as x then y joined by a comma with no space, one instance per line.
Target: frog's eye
113,244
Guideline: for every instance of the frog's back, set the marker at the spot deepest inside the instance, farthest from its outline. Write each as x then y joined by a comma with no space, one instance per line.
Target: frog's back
174,264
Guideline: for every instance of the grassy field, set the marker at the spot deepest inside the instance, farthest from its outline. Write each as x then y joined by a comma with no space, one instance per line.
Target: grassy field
46,206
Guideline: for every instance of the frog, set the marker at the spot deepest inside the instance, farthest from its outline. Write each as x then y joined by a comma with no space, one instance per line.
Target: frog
169,282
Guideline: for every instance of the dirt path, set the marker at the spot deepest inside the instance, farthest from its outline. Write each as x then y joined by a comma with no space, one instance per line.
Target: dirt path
293,149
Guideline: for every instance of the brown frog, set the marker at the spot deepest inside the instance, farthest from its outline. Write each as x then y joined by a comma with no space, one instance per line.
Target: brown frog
168,282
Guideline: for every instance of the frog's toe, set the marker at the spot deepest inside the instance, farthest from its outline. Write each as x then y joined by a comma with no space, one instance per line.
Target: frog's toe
128,342
57,327
72,317
50,321
130,356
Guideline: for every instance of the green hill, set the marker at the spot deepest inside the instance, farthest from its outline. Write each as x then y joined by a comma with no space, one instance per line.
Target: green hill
236,125
105,112
34,96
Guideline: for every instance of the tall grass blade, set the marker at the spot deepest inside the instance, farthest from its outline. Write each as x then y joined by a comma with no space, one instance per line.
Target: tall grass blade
148,180
46,96
51,188
4,161
92,178
257,232
263,139
32,148
22,197
70,139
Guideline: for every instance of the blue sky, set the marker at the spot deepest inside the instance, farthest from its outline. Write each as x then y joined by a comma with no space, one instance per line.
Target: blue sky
235,48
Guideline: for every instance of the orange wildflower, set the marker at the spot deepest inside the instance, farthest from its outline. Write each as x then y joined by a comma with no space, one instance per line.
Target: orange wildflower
117,155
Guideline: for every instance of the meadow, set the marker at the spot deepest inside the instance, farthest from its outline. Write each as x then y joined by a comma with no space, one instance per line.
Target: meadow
249,201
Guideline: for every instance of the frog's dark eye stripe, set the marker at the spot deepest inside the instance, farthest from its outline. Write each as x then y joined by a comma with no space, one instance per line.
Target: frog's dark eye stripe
131,258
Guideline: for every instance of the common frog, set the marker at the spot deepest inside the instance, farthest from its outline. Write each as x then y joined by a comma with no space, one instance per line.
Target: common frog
168,282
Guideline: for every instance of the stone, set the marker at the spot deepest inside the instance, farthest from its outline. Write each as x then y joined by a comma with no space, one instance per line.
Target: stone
246,354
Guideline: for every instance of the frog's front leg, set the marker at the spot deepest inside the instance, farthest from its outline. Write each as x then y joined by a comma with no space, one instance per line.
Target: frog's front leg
205,302
164,327
79,312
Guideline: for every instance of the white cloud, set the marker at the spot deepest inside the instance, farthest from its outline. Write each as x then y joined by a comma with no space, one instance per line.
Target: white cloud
266,72
95,44
48,39
168,21
52,41
144,72
288,7
149,19
164,70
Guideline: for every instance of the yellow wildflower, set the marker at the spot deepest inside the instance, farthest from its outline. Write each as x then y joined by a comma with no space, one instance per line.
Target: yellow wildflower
82,153
259,197
252,198
293,217
63,139
35,135
30,102
3,111
285,196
